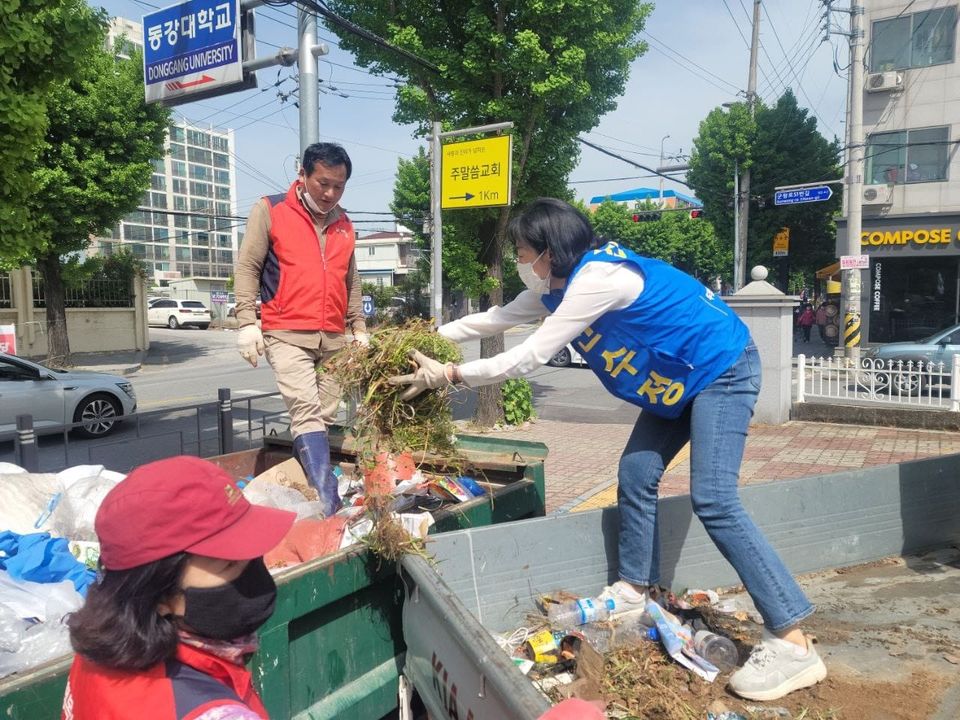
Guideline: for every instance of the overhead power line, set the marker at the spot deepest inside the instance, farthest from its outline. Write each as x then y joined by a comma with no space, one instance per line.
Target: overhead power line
631,162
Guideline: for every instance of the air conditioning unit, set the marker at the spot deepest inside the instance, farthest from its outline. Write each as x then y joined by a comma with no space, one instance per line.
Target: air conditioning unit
884,81
877,194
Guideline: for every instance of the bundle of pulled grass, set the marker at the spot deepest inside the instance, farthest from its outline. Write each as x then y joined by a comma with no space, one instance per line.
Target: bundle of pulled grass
383,421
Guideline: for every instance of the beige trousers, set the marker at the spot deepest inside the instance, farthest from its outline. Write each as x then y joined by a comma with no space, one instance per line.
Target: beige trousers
312,396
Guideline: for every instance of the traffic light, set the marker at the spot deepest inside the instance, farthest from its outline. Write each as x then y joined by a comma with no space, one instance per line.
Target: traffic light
649,216
696,213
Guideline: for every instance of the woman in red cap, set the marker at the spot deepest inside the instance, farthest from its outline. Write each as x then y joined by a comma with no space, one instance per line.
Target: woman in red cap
166,631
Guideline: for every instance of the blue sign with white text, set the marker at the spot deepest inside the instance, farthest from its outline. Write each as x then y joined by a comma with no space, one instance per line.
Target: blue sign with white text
191,47
366,304
820,193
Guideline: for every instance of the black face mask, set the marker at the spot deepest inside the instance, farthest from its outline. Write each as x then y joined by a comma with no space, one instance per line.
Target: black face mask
235,609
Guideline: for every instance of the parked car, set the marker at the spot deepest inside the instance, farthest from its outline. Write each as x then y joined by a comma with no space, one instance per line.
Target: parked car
567,357
931,351
178,313
60,397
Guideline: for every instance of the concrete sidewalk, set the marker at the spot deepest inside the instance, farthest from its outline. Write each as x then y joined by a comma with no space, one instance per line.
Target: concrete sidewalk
123,362
581,467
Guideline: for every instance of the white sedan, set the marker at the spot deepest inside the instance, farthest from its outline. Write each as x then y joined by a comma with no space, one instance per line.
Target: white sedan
61,397
566,357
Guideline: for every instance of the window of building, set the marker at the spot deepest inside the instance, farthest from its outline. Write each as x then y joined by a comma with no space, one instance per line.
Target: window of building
200,223
200,205
183,253
161,233
201,172
201,254
180,186
912,297
196,155
138,216
911,41
138,250
158,182
181,221
161,252
158,165
201,189
201,270
223,241
179,202
158,200
220,161
177,151
223,208
225,256
223,193
221,143
201,238
178,168
908,156
176,133
371,250
136,233
161,266
221,176
198,138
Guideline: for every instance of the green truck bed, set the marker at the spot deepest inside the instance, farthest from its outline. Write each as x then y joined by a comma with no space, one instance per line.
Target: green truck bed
334,647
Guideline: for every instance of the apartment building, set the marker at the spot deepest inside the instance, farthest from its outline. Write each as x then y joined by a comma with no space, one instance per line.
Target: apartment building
175,233
911,192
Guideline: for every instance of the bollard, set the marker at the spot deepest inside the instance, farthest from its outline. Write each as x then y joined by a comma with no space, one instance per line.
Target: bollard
225,420
25,451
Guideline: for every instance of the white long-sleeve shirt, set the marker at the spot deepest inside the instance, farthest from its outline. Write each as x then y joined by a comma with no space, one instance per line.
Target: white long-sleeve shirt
597,289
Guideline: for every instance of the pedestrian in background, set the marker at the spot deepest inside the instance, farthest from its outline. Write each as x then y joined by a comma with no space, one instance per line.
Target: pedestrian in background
806,321
657,338
298,254
168,628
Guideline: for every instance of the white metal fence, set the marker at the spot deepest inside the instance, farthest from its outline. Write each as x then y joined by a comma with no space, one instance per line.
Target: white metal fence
886,382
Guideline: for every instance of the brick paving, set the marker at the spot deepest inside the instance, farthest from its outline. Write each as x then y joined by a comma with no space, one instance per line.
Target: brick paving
581,467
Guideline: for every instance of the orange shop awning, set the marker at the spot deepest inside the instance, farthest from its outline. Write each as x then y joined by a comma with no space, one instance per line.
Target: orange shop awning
829,271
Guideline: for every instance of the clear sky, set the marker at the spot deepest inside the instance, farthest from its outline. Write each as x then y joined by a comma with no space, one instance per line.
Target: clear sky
697,59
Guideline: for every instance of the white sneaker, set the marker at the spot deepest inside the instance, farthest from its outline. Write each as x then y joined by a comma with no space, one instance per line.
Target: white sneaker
777,667
625,598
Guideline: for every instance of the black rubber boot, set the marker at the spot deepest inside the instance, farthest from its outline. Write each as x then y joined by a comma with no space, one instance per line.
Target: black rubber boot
313,452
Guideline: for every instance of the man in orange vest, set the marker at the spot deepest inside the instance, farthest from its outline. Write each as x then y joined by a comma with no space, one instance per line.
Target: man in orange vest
298,253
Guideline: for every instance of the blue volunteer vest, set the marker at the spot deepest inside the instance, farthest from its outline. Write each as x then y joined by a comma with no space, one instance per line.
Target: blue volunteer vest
669,344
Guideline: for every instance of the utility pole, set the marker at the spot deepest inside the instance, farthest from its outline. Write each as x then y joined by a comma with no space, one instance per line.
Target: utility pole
743,196
660,203
854,189
309,87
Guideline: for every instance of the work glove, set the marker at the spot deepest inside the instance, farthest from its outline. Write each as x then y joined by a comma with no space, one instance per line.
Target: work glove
430,375
361,339
250,343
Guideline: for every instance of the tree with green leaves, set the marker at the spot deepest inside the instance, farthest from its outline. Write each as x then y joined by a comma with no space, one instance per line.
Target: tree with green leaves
689,244
93,167
41,41
782,146
553,69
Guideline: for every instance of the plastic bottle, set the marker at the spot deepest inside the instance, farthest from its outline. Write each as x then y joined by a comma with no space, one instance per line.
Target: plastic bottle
579,612
716,649
634,629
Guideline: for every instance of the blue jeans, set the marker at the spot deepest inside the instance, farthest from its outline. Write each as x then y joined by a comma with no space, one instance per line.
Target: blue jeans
715,423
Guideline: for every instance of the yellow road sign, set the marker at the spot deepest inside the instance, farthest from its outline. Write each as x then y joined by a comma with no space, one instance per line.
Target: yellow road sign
476,173
781,243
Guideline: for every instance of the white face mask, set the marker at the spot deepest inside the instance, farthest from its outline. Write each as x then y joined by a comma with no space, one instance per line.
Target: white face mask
312,204
535,283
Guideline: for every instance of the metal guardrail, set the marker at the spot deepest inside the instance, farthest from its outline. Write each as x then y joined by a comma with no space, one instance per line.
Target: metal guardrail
204,429
927,386
92,293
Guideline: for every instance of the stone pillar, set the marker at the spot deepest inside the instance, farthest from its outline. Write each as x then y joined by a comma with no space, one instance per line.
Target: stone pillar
769,315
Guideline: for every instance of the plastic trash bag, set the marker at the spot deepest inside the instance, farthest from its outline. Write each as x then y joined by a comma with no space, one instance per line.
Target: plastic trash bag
29,500
44,636
264,492
83,489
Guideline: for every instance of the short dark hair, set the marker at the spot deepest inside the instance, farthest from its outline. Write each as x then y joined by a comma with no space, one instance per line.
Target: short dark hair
551,224
119,626
329,154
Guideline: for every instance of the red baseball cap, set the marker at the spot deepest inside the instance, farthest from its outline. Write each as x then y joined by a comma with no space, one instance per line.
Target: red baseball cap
184,504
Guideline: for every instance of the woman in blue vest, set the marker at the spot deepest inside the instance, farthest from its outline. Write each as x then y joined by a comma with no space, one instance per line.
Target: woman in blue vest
659,339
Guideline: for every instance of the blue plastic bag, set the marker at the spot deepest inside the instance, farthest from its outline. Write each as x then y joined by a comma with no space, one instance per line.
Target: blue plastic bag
39,558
